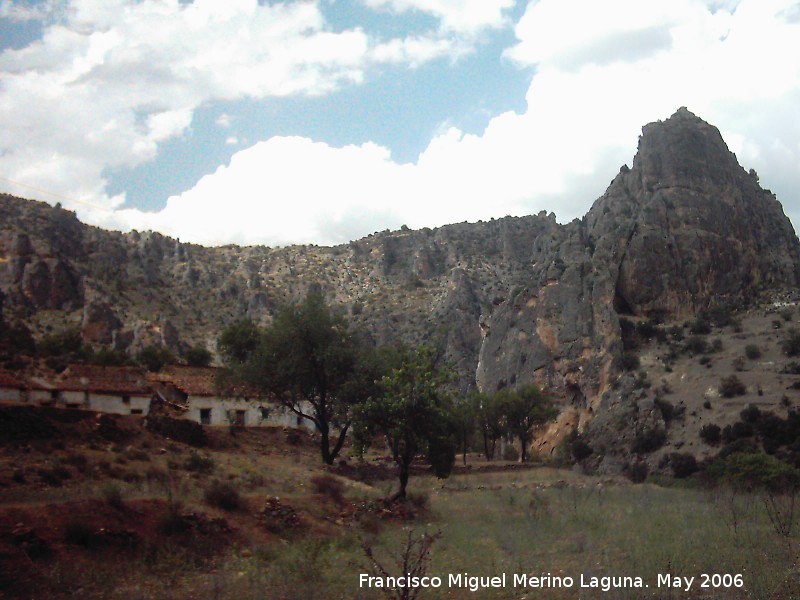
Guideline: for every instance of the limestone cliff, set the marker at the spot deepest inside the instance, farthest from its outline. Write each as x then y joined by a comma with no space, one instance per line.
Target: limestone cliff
510,300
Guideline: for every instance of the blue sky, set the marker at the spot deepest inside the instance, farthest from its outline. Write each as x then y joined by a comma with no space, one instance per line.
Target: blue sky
320,121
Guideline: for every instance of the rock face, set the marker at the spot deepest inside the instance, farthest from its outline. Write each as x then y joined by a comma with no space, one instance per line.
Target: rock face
684,230
510,301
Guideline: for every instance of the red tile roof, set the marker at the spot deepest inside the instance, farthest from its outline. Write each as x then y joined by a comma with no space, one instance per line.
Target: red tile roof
94,378
12,380
198,381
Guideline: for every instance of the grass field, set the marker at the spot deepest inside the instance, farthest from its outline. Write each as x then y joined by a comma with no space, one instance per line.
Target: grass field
134,520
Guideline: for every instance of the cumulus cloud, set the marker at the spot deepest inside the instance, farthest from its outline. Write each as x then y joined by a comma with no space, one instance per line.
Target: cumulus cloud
735,64
111,80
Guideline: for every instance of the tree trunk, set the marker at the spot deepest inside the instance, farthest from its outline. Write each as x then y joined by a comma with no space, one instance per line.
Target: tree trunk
486,446
523,454
325,446
339,443
401,493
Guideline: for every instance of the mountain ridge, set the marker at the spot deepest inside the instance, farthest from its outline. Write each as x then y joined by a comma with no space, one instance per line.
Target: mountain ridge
510,300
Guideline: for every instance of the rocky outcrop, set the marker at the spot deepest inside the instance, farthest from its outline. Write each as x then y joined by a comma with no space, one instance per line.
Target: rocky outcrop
684,229
509,301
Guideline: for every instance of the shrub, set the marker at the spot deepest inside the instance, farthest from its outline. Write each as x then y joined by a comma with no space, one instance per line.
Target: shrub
112,494
792,368
419,500
328,485
510,453
752,351
786,314
682,464
756,470
751,414
580,449
696,345
198,357
711,433
738,364
716,345
198,463
737,431
707,404
791,343
700,326
78,533
629,361
171,521
648,441
637,472
667,409
223,495
731,386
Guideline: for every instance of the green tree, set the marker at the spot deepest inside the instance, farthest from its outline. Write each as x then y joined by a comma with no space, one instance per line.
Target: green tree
154,357
197,357
465,415
524,408
238,341
311,362
490,420
414,415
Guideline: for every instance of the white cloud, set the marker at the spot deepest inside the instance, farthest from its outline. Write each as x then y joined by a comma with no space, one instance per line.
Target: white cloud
586,105
111,80
737,65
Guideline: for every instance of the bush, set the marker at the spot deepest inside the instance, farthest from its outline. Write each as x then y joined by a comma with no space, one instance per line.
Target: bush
112,494
637,472
682,464
629,361
328,485
756,470
223,495
696,345
580,449
198,357
79,534
667,409
732,386
786,314
737,431
751,414
510,453
711,434
791,343
700,326
752,351
648,441
198,463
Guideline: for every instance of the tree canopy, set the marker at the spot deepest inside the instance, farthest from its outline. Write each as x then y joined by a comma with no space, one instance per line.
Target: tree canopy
310,361
414,415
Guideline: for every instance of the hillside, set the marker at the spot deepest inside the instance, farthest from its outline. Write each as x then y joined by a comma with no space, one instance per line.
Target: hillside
685,229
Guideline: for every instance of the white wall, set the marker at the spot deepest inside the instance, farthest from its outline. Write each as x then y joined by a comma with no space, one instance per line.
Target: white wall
114,403
10,395
220,407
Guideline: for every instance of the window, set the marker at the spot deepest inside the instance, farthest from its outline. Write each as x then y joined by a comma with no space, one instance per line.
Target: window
205,416
126,399
239,420
136,411
264,413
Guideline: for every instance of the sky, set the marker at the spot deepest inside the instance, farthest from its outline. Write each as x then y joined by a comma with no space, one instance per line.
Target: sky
322,121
